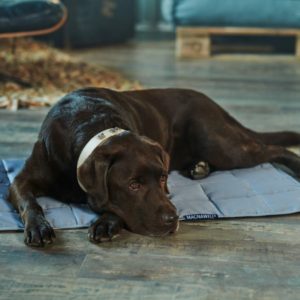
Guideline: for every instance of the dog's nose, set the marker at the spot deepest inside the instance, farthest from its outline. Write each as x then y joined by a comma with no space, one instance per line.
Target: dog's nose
169,218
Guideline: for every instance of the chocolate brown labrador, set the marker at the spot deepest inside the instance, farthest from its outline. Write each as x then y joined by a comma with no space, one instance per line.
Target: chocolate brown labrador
125,177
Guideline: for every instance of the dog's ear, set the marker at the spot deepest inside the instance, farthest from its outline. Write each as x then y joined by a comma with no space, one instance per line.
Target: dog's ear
164,156
92,175
166,162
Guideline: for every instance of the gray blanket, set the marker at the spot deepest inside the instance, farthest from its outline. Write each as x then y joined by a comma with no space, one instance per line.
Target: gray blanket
259,191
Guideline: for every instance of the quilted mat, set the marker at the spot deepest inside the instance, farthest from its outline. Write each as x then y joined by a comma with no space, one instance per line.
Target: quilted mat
260,191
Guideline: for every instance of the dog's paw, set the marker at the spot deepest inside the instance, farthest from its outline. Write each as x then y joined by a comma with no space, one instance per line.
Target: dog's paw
38,232
105,228
200,170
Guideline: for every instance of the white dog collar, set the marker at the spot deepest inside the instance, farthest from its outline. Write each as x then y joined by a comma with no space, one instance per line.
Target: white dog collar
91,145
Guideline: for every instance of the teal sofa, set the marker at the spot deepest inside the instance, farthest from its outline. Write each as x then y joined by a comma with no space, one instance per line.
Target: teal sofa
233,13
197,21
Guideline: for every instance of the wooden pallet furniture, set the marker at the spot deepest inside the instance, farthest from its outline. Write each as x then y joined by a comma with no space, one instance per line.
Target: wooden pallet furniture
195,42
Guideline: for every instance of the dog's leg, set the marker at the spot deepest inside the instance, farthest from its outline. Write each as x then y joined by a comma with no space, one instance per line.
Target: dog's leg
105,228
37,231
285,157
200,170
237,147
22,194
271,154
284,138
268,153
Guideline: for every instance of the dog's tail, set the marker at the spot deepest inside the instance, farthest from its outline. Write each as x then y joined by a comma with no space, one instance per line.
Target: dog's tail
282,138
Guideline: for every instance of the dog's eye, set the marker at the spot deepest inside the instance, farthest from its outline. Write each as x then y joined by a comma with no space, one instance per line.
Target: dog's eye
134,186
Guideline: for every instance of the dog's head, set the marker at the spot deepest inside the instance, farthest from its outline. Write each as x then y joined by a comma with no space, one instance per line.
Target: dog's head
127,175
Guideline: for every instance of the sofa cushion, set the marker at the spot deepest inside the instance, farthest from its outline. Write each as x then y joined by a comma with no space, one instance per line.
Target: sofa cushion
29,15
246,13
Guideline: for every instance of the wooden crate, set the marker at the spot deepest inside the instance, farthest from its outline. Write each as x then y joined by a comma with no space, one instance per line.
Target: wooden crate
195,42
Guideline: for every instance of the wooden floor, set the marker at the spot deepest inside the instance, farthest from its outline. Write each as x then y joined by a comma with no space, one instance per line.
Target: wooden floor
233,259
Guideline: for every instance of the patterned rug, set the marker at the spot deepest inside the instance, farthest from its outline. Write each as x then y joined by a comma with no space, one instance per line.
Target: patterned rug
33,74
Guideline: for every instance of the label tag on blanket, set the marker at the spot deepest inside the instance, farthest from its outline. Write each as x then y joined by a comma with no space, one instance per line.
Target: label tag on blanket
196,217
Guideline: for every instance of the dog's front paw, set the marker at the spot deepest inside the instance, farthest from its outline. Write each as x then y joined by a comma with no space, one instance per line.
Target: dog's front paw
200,170
105,228
38,232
